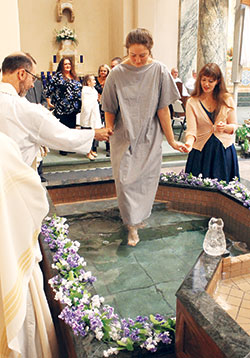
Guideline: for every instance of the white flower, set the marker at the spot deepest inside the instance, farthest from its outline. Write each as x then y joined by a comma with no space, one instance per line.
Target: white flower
114,333
85,299
97,301
59,296
150,346
99,334
124,340
86,275
110,351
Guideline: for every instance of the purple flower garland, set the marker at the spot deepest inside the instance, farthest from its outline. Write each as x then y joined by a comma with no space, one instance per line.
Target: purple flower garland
234,188
85,312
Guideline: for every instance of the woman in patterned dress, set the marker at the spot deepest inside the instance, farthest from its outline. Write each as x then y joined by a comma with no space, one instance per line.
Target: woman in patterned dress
63,94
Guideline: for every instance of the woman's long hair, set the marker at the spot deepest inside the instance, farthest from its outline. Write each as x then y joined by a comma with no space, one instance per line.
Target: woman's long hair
220,92
60,68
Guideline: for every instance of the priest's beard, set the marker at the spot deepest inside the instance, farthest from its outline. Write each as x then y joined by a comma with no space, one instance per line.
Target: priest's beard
22,89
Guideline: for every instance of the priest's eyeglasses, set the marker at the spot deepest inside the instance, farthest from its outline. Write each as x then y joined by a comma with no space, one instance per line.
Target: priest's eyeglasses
34,77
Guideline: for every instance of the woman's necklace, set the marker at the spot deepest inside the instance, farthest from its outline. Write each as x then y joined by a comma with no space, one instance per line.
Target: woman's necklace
101,81
209,104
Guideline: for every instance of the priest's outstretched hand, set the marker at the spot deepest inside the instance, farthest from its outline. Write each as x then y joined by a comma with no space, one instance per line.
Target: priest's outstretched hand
103,134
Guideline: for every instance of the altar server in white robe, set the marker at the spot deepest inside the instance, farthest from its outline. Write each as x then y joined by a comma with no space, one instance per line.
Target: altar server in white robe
31,125
26,327
90,116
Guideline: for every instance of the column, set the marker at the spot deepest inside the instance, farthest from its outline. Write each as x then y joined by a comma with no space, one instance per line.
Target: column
212,33
188,30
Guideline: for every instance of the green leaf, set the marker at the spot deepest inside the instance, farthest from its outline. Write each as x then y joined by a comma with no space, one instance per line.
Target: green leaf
153,320
123,344
129,345
143,331
71,276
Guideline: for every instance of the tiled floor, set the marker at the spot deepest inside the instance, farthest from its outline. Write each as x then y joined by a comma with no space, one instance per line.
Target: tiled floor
233,295
143,279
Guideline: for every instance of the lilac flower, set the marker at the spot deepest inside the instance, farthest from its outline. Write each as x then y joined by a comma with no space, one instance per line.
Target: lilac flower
164,337
234,188
84,312
159,318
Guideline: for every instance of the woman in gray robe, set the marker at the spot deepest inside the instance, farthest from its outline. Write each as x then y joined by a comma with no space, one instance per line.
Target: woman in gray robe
135,100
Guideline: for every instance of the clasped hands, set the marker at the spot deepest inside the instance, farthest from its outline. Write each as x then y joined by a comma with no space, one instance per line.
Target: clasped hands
181,147
103,134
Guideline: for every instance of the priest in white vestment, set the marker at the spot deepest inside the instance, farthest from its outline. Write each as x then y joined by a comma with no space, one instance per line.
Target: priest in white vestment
26,327
31,125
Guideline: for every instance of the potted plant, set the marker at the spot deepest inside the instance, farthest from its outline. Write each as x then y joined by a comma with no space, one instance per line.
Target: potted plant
243,138
66,34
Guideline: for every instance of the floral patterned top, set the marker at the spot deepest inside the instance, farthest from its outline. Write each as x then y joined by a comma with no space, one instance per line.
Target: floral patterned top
65,94
98,86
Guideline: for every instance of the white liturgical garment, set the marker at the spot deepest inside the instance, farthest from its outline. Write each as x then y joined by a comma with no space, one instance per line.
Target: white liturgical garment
31,125
26,327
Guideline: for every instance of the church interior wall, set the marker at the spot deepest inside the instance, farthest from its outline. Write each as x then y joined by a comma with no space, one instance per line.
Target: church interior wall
101,27
9,28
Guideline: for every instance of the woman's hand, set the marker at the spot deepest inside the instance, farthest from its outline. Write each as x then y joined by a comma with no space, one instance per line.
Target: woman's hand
181,147
189,147
223,127
50,105
189,142
220,127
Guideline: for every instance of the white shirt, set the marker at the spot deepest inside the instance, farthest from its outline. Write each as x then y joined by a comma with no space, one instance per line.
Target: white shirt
190,84
31,125
184,90
90,113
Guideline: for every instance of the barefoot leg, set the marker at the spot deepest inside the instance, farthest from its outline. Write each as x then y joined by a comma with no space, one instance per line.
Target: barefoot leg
133,237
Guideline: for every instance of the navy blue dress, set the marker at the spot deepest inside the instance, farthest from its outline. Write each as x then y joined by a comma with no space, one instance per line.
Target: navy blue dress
214,161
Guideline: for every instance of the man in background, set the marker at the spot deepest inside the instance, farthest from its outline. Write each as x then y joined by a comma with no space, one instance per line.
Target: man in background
115,61
182,89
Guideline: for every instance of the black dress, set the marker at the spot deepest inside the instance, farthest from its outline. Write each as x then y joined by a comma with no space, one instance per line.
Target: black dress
99,89
214,161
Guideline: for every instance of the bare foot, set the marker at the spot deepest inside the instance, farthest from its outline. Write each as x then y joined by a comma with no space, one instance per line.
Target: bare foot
133,237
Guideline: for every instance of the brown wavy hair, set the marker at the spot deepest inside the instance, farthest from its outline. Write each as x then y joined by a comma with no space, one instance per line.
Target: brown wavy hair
220,92
60,68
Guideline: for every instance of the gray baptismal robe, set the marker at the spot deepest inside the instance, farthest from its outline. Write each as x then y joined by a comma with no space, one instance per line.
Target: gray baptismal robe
134,95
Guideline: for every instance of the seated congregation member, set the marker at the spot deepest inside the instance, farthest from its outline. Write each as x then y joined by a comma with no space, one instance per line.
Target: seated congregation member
211,124
181,89
26,327
190,84
32,125
64,94
90,114
175,74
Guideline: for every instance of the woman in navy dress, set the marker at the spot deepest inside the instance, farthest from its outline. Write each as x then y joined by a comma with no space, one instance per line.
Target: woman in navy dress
211,124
